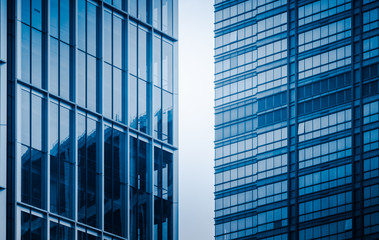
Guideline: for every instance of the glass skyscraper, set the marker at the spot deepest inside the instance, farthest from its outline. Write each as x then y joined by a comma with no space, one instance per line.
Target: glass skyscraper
296,119
88,119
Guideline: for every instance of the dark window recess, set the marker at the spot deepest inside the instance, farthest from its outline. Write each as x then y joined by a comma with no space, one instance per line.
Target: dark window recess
273,101
371,71
324,85
325,101
370,88
272,117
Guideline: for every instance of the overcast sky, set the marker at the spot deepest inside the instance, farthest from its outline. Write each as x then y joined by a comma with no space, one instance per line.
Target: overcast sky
196,120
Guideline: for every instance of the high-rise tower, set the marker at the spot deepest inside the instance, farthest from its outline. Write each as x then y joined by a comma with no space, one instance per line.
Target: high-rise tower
91,119
296,119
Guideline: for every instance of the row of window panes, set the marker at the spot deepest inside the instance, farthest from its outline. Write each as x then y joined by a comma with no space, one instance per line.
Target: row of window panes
244,201
272,117
325,62
233,130
371,20
272,101
228,152
271,78
261,222
371,112
262,169
232,91
233,113
326,101
338,229
371,223
371,140
321,9
272,25
324,35
371,168
325,152
326,179
325,85
325,125
323,207
371,195
272,140
371,47
270,52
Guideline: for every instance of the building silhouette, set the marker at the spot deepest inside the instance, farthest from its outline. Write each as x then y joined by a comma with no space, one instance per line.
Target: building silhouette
88,119
296,119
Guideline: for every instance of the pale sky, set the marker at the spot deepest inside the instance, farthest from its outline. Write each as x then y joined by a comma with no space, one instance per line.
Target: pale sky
196,120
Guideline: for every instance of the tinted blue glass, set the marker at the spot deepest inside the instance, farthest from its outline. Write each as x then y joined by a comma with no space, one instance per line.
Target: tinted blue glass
36,14
37,175
167,16
36,58
167,116
143,119
157,61
53,60
117,94
81,79
107,32
25,53
107,90
81,24
54,18
133,7
92,187
64,73
36,125
25,11
157,13
117,41
143,52
143,10
167,66
132,100
157,112
91,28
81,141
108,178
25,174
25,117
64,18
132,40
91,83
54,161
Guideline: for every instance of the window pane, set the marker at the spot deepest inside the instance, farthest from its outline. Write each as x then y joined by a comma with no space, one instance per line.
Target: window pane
143,52
91,83
117,94
107,90
157,14
167,16
53,60
157,61
132,38
36,58
36,14
142,106
54,18
157,113
81,79
64,80
167,66
25,117
107,37
117,42
82,24
167,116
91,28
25,11
25,54
132,95
36,122
65,21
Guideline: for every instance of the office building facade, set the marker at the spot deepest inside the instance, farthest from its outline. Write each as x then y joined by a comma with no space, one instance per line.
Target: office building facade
88,115
296,119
